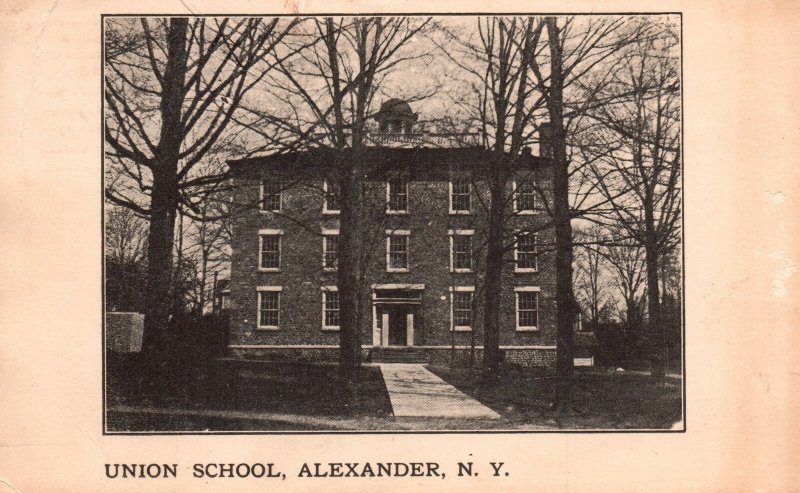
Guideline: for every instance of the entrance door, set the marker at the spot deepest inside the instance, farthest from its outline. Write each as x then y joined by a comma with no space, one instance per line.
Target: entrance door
398,326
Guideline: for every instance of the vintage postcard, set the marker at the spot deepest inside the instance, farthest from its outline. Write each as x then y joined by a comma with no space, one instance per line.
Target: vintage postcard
385,248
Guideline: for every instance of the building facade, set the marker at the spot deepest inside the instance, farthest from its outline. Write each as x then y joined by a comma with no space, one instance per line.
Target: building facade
422,246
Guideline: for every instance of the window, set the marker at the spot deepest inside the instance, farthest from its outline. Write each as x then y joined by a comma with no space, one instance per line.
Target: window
461,307
524,196
397,194
460,188
527,308
397,251
461,250
269,299
525,252
271,195
269,249
331,205
330,249
330,308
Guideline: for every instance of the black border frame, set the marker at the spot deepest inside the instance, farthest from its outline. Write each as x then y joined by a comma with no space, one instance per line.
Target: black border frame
105,431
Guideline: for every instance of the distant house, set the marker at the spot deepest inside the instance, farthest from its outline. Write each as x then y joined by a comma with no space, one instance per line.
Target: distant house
425,234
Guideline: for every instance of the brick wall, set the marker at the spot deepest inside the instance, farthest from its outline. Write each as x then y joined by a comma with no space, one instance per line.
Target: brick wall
301,274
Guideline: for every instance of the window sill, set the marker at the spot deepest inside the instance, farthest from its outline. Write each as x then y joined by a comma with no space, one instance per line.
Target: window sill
330,329
269,269
397,213
330,213
526,271
462,329
527,329
461,271
264,211
461,213
328,269
268,328
526,212
390,269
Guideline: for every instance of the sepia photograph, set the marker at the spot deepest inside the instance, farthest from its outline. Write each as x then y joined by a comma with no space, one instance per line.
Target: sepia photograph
392,223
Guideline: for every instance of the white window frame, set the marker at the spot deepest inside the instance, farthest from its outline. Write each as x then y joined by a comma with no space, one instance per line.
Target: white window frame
261,199
514,196
325,234
450,200
267,289
389,201
398,232
526,289
270,232
535,252
325,291
325,209
460,289
460,232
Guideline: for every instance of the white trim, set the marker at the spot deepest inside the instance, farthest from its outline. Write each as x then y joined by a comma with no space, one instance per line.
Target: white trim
460,289
526,212
450,199
460,232
269,232
326,233
519,289
325,209
267,289
398,286
389,234
525,289
325,291
330,231
388,201
535,252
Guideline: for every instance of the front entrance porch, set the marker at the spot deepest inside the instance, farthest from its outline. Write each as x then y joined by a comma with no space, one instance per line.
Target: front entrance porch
395,311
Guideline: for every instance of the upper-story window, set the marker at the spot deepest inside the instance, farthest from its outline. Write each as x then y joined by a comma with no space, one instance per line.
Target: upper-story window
397,194
524,196
525,252
461,250
460,195
271,194
330,249
332,204
397,250
269,251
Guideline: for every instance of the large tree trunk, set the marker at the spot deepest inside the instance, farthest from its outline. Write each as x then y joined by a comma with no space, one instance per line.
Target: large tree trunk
565,300
494,273
347,279
164,204
655,325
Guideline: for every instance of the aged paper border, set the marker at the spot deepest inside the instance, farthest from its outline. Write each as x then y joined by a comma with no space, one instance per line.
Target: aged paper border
741,238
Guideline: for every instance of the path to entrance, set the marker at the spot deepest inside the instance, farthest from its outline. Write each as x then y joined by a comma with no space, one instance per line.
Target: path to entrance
416,392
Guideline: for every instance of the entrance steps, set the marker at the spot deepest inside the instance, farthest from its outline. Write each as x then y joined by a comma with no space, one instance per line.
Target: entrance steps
399,355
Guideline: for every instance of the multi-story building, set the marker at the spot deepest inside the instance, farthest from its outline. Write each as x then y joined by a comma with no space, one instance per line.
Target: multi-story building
422,245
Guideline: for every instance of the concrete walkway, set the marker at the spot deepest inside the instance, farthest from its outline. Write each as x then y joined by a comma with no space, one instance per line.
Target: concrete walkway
416,392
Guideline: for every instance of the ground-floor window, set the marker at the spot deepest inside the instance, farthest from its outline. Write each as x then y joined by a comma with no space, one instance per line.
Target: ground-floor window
330,309
461,307
527,308
269,300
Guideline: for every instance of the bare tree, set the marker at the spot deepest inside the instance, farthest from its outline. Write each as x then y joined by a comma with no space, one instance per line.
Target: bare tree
642,129
170,94
329,91
592,282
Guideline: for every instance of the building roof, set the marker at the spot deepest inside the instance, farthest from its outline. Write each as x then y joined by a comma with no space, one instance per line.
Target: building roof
397,108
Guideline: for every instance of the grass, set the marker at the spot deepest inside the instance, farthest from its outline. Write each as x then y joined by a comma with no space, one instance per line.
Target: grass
296,389
601,400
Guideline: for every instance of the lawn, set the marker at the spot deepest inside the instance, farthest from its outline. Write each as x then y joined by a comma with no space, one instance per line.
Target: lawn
297,389
601,399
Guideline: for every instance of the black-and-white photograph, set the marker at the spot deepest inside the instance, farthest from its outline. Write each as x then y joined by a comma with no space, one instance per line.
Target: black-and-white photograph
365,224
